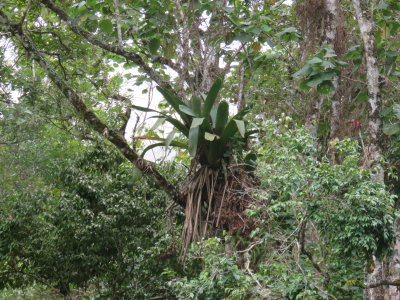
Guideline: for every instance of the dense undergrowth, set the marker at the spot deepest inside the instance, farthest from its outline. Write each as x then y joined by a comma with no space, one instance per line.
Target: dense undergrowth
98,228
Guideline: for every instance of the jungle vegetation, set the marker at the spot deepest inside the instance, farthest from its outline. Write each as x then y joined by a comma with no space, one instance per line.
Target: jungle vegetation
197,149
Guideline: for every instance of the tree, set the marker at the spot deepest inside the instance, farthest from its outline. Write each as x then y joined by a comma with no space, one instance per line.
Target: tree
205,57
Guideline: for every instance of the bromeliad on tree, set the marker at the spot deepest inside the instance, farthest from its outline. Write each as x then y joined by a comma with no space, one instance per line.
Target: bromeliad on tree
211,138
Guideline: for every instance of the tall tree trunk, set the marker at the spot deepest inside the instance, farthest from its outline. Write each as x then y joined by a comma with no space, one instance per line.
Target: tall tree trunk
328,29
334,35
372,149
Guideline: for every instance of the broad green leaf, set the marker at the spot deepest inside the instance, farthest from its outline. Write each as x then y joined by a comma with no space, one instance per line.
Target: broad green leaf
193,140
304,85
229,131
187,110
210,137
211,97
303,72
154,45
241,127
222,116
169,51
196,122
315,60
106,26
213,114
243,37
327,64
391,129
312,83
196,106
396,110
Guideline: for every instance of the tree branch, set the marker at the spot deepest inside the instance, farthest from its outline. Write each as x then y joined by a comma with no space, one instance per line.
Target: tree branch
89,116
384,282
116,49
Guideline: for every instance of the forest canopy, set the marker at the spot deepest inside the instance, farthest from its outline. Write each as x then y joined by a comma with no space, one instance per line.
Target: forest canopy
195,149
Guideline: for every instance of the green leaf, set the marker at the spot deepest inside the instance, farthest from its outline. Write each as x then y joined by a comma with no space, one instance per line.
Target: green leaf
169,138
396,110
315,60
154,45
196,122
169,51
210,137
391,129
303,72
193,140
325,88
304,85
243,37
241,127
152,146
213,114
312,83
362,96
327,64
106,26
222,116
175,102
196,105
91,3
178,125
158,123
229,131
144,109
187,110
287,30
163,144
212,96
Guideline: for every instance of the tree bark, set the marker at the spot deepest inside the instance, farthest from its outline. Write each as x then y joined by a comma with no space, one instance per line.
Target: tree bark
333,35
373,150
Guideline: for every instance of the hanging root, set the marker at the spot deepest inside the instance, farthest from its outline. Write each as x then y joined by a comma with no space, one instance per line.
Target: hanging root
215,200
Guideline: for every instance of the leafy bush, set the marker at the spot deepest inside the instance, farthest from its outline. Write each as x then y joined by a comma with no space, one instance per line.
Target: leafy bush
99,224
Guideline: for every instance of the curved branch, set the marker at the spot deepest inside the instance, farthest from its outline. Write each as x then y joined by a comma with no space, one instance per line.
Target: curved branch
89,116
116,49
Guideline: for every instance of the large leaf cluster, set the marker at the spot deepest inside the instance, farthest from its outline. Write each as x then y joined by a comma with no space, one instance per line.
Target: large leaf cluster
205,123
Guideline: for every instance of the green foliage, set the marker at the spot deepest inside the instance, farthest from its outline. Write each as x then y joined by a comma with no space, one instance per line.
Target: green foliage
98,224
353,211
220,278
319,71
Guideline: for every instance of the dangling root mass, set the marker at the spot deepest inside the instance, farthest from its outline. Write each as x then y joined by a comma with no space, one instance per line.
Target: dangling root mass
216,199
